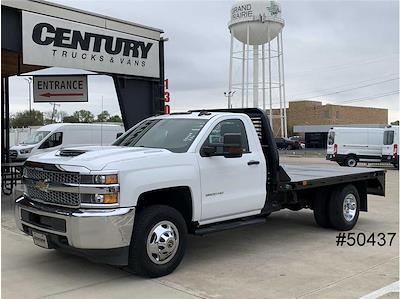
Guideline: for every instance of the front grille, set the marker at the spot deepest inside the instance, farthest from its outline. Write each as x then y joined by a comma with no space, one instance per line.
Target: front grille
49,196
54,197
52,176
13,154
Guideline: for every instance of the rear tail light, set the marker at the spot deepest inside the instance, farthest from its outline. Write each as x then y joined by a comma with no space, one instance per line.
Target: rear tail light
395,149
335,149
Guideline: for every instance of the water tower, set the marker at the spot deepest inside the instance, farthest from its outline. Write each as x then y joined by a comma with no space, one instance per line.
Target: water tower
255,25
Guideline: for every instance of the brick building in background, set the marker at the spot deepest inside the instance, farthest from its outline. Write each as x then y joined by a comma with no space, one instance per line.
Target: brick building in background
312,120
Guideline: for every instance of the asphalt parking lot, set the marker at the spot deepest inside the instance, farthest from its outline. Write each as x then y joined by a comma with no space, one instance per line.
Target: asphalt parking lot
287,257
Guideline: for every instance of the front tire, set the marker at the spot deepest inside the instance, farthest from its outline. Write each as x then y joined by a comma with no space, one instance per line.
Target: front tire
158,241
344,207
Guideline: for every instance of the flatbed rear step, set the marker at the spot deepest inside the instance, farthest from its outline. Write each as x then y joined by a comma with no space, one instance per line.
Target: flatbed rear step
228,225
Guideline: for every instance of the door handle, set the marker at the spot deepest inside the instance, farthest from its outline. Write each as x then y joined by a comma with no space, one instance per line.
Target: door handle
253,162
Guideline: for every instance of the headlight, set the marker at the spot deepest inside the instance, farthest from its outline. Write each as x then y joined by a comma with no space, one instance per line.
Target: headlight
100,179
106,179
25,151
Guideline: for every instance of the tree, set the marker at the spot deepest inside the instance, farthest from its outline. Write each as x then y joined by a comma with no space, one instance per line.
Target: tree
115,119
27,118
103,116
81,116
84,116
70,119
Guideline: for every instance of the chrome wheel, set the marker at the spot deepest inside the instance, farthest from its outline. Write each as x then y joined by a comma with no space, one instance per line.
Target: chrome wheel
162,242
349,207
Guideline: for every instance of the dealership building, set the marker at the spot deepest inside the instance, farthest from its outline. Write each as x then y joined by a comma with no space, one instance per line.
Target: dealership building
37,35
312,120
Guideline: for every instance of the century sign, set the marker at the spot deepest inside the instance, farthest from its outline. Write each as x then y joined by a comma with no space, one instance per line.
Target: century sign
50,41
60,89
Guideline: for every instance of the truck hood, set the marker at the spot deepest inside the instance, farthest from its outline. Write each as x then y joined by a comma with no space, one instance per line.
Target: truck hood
96,157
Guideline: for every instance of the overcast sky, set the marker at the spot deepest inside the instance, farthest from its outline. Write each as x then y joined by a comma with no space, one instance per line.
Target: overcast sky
329,46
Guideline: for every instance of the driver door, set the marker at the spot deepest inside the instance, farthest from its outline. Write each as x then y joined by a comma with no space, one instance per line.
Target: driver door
230,186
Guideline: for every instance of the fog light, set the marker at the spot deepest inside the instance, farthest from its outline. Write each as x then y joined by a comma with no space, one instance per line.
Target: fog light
98,198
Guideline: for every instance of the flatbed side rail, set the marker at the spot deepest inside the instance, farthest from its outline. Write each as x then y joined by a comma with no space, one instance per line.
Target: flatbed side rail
375,182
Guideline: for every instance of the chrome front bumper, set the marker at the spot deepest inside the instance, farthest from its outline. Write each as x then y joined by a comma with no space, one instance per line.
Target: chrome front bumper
84,228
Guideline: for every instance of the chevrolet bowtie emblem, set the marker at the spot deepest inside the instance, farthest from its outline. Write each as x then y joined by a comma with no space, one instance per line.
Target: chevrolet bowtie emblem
42,186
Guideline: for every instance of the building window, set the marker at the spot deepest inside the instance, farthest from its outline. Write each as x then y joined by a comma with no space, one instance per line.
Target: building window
327,114
337,114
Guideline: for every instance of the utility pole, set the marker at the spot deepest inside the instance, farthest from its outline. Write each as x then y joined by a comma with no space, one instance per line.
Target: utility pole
229,95
29,80
53,113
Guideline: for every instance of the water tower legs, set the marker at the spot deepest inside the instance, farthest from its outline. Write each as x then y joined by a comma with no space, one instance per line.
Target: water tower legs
230,74
247,79
270,82
255,75
243,66
283,85
263,74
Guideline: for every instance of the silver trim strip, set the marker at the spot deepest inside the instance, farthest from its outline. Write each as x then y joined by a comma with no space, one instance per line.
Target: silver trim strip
75,188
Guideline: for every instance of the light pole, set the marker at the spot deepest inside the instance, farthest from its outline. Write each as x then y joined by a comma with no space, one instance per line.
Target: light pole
229,95
29,80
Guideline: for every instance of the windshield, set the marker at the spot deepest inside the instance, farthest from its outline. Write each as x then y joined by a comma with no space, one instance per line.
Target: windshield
36,137
175,135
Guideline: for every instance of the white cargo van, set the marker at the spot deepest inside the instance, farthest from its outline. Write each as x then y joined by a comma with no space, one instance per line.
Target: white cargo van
390,148
347,146
54,136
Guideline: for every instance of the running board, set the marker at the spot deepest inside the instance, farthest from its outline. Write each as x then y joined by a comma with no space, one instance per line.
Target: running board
228,225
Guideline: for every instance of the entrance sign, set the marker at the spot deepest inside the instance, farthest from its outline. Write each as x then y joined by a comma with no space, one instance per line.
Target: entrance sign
50,41
60,89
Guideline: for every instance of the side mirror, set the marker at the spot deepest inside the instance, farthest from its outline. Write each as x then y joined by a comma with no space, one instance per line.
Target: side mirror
119,134
233,145
208,151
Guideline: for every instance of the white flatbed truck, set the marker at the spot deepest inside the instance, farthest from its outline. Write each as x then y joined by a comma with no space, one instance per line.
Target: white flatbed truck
133,203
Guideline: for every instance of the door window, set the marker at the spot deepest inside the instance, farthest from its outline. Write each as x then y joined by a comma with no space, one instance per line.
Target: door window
388,137
331,137
216,137
54,140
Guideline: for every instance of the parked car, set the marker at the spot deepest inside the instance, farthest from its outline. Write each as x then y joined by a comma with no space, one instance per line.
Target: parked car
286,144
390,149
55,136
134,203
347,145
298,140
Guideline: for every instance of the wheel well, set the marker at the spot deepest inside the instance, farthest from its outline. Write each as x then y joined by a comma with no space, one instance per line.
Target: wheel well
361,187
352,156
179,198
